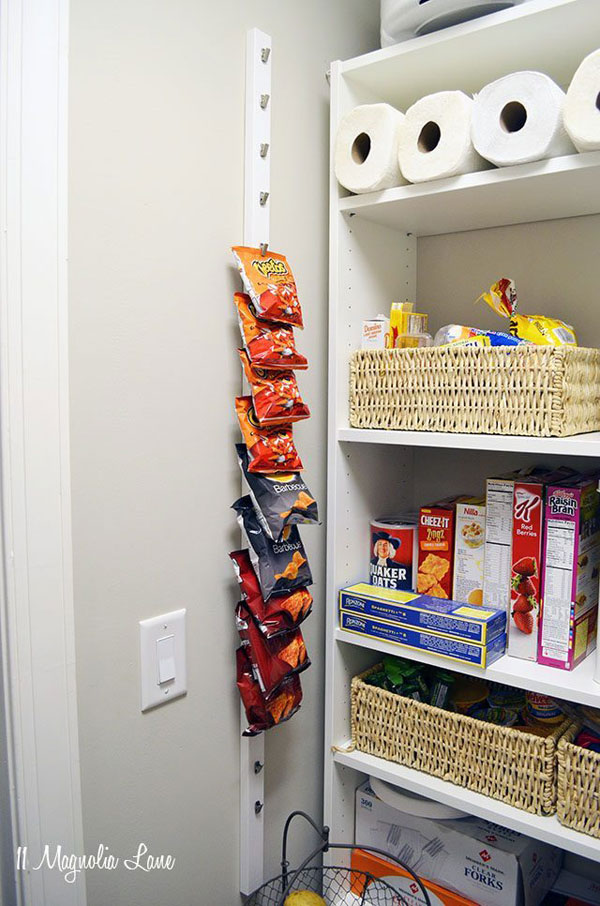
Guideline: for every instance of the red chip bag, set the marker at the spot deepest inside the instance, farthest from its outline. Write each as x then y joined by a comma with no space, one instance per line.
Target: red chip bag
260,713
279,614
269,282
272,660
268,345
270,448
275,394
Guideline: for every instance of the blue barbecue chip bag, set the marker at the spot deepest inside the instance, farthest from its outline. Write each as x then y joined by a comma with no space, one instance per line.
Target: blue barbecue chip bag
280,499
282,565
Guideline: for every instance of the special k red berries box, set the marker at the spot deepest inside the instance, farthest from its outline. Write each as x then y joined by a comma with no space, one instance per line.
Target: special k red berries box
526,561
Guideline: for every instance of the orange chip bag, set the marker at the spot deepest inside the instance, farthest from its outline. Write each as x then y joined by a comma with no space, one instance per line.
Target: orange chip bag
270,284
270,449
268,345
275,394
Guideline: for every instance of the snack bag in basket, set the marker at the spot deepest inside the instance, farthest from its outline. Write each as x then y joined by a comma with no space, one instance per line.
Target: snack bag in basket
538,329
281,566
268,345
273,660
280,613
280,499
260,713
269,282
270,448
275,394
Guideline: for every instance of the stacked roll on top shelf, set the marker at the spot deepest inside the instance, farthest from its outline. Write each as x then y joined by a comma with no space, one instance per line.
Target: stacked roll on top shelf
273,571
522,117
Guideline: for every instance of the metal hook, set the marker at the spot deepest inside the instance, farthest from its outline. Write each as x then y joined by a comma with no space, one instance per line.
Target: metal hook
264,149
258,807
265,54
258,765
264,196
263,250
264,100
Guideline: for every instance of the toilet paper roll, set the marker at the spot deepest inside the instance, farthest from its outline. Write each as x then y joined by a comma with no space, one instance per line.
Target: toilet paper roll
435,139
581,112
366,149
518,118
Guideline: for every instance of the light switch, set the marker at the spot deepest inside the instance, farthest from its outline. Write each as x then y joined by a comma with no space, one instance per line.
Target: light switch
162,657
165,655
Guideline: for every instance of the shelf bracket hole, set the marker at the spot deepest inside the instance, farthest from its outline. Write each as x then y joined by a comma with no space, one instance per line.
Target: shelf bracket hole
361,148
513,116
429,137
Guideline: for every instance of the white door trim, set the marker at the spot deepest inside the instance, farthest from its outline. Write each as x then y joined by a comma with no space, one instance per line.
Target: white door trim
37,604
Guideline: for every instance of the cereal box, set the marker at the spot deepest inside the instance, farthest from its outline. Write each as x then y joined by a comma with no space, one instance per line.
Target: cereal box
526,561
469,551
570,577
436,547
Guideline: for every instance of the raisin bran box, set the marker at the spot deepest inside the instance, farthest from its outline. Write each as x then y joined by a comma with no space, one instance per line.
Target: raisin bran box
526,559
436,547
570,577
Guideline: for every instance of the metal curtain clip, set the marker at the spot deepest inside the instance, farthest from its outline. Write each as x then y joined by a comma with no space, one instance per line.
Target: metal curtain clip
264,149
264,196
263,250
265,54
264,100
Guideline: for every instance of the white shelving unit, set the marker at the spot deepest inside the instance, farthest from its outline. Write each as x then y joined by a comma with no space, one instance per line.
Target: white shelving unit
373,260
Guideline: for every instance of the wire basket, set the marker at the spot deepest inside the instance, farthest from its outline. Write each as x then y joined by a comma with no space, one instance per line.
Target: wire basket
336,884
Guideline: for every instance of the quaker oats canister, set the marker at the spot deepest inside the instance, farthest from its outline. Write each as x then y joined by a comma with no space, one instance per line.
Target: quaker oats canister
393,555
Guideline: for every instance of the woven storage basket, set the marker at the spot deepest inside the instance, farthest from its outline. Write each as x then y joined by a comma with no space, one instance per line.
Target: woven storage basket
537,391
578,803
506,764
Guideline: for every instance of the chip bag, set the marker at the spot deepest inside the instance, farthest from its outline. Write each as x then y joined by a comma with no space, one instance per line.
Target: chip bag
260,713
268,345
538,329
280,613
272,660
279,499
269,282
281,566
275,394
270,448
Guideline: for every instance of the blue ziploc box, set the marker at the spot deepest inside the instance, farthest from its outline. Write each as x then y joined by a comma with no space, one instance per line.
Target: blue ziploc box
448,618
456,650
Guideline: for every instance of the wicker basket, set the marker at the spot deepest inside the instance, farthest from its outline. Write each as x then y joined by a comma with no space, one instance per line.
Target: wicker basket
506,764
537,391
578,803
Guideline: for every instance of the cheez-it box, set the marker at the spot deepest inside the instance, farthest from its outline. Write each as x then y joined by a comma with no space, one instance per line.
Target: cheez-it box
436,547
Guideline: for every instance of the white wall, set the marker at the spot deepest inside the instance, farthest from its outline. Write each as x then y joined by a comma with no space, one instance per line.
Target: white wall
7,878
156,156
554,265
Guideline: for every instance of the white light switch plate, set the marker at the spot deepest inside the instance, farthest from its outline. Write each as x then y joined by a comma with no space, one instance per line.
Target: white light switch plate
162,655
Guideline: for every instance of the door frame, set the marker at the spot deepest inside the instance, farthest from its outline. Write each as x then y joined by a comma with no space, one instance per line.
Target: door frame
36,598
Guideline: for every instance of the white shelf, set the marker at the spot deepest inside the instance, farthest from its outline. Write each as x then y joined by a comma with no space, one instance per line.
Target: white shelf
578,445
544,190
573,685
546,829
473,53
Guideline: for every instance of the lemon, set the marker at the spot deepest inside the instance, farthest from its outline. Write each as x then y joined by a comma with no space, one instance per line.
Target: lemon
304,898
